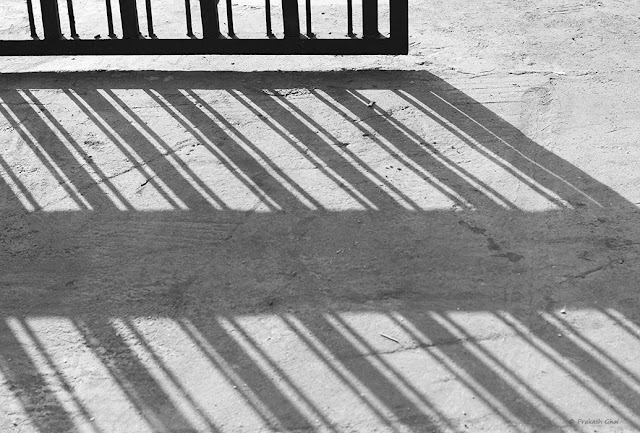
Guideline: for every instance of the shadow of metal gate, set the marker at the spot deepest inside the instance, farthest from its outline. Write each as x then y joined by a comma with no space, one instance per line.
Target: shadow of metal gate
214,40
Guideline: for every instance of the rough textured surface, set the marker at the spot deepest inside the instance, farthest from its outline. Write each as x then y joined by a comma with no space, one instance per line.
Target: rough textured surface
445,241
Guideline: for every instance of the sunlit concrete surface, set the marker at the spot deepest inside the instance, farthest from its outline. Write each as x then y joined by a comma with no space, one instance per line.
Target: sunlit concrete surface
420,147
440,242
191,253
332,371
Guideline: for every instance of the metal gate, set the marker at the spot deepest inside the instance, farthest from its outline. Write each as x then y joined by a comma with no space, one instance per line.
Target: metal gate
213,39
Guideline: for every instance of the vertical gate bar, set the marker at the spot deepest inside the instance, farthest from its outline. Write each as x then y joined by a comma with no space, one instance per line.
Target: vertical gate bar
187,8
309,32
51,19
399,11
150,19
370,18
210,23
32,21
291,18
230,18
110,19
129,17
267,7
350,18
72,19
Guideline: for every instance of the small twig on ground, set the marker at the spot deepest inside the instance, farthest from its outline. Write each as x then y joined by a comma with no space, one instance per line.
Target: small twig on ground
389,338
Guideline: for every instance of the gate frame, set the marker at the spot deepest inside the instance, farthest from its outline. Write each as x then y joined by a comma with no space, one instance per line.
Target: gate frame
213,42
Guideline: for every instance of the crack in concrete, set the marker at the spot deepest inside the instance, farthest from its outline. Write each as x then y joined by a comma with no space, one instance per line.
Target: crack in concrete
610,264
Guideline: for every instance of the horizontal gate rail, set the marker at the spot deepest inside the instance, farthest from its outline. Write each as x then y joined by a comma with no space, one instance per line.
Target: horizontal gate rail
212,41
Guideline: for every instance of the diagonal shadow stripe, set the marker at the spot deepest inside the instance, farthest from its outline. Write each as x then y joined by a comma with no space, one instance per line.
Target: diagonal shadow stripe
41,402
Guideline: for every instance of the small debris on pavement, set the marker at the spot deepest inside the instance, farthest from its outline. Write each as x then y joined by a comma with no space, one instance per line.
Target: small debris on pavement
389,338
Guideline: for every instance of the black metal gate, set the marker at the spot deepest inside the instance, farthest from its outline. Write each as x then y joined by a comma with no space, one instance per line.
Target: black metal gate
213,40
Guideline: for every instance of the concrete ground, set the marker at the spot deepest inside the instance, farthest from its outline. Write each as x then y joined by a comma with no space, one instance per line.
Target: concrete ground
444,241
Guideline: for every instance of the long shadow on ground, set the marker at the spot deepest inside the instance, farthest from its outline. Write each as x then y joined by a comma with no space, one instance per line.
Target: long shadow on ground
293,237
